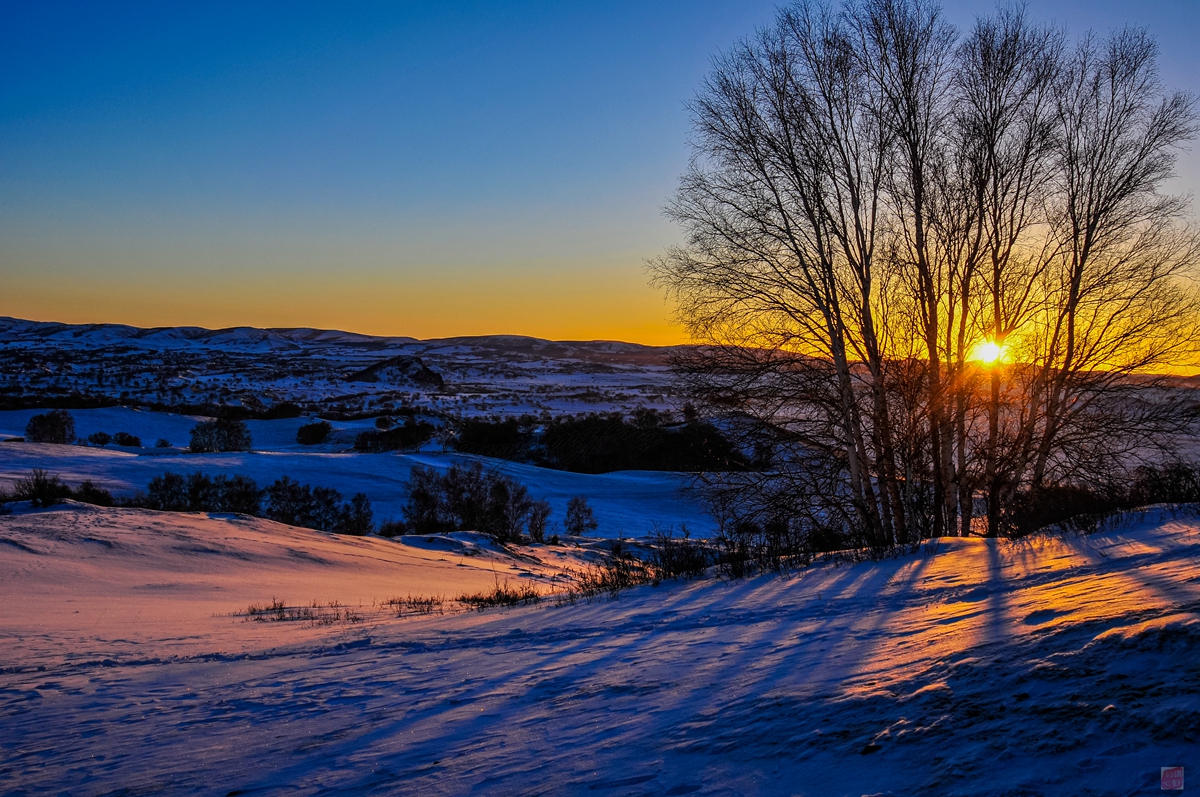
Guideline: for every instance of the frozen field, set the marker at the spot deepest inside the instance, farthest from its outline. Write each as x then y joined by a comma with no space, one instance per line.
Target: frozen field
1048,666
625,503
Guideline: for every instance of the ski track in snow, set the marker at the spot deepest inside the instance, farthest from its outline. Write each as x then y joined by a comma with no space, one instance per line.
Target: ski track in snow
1044,666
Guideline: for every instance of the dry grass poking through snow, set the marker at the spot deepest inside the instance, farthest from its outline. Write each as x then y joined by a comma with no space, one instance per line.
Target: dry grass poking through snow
315,613
502,595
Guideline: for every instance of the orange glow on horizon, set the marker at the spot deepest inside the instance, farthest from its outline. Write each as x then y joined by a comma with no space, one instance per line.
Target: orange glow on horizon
556,306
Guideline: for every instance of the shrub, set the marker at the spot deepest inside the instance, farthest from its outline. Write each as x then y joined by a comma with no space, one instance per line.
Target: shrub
409,435
580,519
56,426
356,517
168,492
199,492
1173,483
467,498
100,438
539,513
127,439
601,443
162,442
620,570
326,509
606,443
89,493
426,511
677,557
320,508
222,434
502,595
391,528
384,422
204,494
290,502
240,494
284,409
310,434
40,489
744,545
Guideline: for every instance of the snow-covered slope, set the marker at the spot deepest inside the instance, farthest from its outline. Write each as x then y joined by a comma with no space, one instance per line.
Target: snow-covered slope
1041,667
626,503
257,368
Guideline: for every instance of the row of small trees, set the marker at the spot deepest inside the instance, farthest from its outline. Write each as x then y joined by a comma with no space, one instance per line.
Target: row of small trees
470,497
221,434
605,442
463,498
285,500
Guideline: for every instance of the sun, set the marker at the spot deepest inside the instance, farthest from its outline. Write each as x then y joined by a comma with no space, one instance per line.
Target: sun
988,352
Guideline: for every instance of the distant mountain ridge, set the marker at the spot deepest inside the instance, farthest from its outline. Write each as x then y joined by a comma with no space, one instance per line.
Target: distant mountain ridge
16,331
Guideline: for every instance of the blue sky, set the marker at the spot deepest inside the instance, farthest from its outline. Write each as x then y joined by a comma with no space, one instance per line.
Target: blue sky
407,168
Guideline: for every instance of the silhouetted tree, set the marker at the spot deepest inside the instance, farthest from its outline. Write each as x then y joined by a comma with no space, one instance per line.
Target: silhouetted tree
127,439
356,517
467,498
40,488
240,494
168,492
310,434
88,493
580,518
222,434
539,514
929,268
56,426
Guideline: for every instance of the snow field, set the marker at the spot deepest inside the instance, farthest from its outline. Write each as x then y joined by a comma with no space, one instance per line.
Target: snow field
1046,666
625,503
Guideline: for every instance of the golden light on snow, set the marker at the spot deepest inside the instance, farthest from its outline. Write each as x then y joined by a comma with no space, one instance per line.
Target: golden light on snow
988,352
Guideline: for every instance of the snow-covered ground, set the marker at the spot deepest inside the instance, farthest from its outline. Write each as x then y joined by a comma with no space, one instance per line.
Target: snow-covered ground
497,375
625,503
1047,666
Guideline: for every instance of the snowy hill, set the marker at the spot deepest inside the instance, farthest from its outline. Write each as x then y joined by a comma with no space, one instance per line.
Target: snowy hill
323,370
400,370
1041,667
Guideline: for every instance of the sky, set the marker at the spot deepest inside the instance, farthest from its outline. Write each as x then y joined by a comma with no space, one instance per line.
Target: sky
400,168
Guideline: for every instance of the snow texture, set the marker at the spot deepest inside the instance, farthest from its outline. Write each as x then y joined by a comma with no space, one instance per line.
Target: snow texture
498,375
626,503
1047,666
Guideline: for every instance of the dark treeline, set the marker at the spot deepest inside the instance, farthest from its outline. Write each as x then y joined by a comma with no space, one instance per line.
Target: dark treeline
285,500
771,543
601,443
13,398
409,434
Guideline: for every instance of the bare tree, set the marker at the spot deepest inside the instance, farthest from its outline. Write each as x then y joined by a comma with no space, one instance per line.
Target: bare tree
870,201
